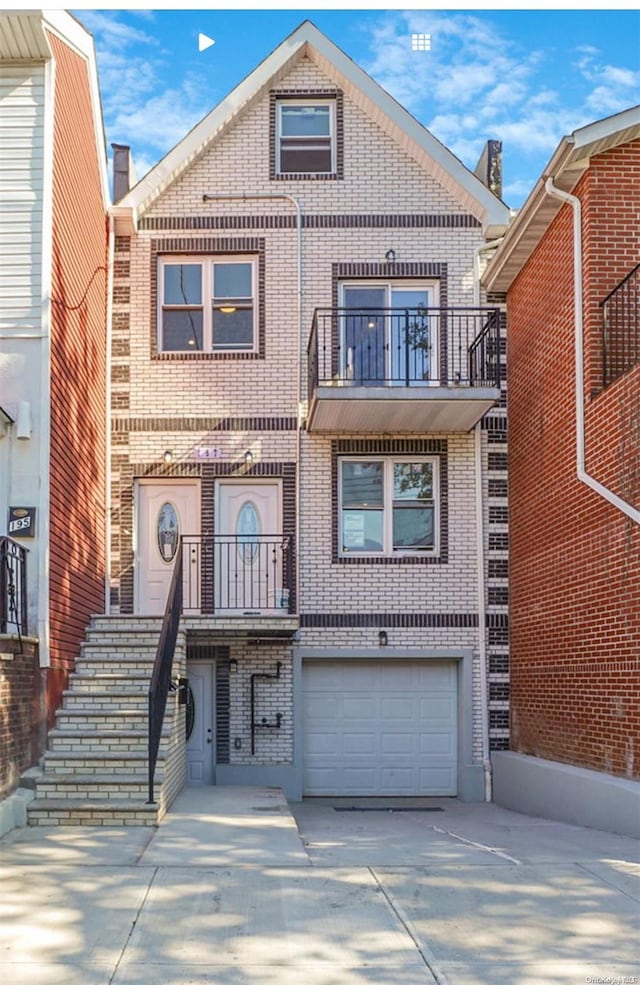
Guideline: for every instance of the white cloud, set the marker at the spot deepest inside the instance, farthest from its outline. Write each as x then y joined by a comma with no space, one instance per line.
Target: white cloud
139,108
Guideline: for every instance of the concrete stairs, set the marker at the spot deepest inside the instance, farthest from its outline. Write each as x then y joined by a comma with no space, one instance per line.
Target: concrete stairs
95,771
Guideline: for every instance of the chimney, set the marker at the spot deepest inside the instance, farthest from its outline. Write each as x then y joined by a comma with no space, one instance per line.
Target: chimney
123,175
489,167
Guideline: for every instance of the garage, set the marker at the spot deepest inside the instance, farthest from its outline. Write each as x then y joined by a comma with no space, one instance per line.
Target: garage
379,728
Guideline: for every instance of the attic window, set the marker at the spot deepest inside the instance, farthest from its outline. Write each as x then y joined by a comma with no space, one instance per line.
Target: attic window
306,137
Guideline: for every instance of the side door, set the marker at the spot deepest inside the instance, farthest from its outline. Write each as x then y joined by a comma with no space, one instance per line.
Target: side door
249,561
166,510
201,722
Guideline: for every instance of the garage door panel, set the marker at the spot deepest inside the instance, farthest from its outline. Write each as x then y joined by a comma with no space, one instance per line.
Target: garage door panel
321,707
397,708
359,743
384,728
358,709
398,743
438,744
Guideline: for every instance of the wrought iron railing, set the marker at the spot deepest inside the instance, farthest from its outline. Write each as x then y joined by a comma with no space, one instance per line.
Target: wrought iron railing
621,328
404,347
13,587
238,573
161,675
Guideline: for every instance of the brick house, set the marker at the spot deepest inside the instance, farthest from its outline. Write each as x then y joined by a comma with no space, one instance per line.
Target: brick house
53,346
569,268
308,445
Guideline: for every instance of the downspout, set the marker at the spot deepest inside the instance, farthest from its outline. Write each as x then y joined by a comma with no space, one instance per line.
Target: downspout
109,313
284,196
581,471
482,615
480,555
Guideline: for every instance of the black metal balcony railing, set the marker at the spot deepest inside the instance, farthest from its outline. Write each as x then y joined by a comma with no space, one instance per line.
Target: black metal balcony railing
238,574
13,587
621,328
404,347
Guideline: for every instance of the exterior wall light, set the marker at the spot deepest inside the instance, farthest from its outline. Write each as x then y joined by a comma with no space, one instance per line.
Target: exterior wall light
248,458
390,256
383,639
233,666
167,458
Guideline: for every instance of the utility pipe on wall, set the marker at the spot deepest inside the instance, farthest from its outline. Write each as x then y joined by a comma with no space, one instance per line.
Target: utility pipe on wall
283,196
482,611
581,471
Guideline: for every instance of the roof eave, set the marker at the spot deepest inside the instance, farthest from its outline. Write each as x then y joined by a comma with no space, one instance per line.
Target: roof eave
568,163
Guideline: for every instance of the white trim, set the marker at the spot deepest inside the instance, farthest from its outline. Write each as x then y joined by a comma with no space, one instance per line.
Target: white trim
308,40
578,304
80,40
388,461
331,137
44,414
206,264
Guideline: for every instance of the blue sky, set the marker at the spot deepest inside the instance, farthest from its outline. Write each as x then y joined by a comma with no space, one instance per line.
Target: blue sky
526,77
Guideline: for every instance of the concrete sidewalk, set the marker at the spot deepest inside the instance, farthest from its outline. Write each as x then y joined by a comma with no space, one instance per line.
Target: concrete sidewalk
230,891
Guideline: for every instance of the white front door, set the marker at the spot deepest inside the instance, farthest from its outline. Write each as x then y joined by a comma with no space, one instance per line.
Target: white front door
201,722
249,559
166,509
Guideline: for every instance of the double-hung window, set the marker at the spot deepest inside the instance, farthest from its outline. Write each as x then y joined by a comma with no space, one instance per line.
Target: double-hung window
306,136
207,304
388,506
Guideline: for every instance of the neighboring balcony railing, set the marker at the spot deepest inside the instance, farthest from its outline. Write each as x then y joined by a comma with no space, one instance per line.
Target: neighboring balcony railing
13,587
621,328
405,347
238,574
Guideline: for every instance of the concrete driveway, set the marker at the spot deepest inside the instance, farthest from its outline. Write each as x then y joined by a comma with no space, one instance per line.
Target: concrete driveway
238,888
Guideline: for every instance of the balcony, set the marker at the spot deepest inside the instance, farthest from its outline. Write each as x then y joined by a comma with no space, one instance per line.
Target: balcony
235,581
390,370
621,328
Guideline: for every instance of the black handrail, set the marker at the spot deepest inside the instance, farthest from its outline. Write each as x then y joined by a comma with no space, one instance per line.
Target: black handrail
372,346
161,676
238,573
621,328
13,586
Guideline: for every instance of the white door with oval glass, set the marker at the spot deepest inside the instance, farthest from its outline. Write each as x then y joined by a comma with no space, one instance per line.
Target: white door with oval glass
250,553
166,510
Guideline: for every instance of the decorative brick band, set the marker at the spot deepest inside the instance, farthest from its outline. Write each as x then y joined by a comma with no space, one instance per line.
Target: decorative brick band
206,246
153,424
393,620
391,446
408,220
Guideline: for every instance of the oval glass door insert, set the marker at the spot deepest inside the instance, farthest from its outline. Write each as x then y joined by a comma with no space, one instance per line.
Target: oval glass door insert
168,532
248,531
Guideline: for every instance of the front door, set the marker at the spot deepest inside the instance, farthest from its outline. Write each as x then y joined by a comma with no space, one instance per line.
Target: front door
167,509
201,723
389,334
249,554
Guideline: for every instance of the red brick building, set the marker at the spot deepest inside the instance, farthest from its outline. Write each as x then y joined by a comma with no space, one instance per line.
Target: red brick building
569,268
53,369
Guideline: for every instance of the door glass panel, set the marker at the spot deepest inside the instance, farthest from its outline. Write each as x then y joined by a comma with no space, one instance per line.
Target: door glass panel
411,341
167,532
363,332
248,531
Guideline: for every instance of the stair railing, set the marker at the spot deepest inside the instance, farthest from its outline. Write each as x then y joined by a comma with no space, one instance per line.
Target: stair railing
161,676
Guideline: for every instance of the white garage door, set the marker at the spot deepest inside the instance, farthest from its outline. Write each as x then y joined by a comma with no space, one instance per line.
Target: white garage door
380,728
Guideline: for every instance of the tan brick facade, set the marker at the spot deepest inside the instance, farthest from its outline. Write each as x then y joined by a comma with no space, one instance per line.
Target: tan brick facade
209,409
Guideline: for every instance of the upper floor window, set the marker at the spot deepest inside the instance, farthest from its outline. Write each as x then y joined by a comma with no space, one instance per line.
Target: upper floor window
207,304
306,141
388,506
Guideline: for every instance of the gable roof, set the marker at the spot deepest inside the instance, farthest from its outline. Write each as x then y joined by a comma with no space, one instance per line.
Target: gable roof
308,41
566,167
